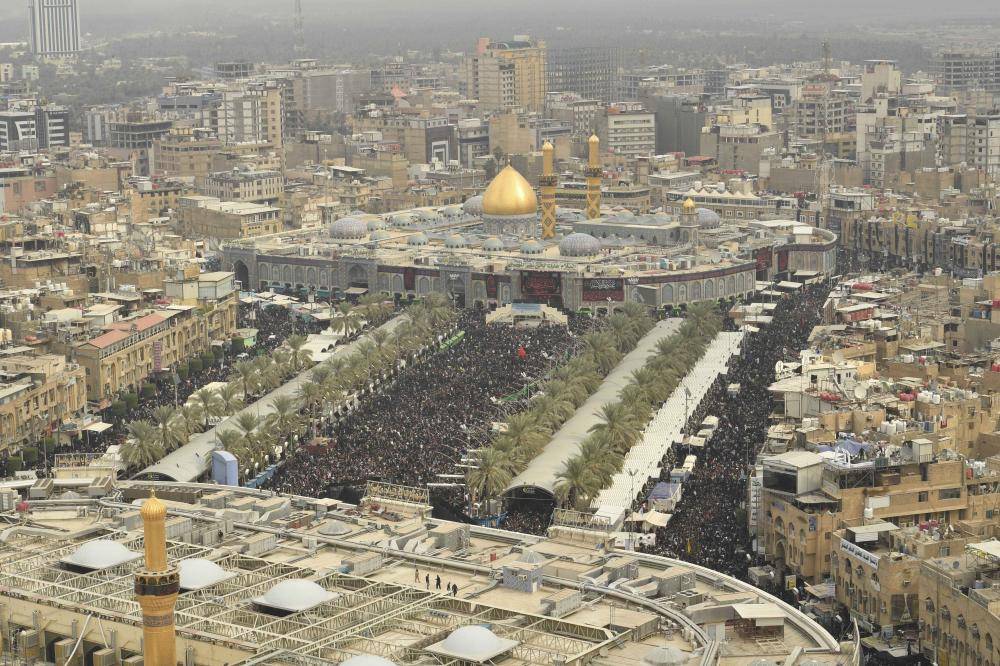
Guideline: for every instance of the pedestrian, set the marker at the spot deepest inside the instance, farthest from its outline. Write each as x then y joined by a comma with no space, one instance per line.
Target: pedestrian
427,580
438,583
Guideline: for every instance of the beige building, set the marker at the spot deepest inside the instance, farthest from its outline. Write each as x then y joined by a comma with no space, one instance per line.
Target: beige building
185,153
208,217
37,395
805,499
131,350
151,199
506,75
247,185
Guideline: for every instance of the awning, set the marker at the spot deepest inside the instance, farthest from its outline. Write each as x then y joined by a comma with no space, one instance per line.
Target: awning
356,291
97,426
654,518
821,590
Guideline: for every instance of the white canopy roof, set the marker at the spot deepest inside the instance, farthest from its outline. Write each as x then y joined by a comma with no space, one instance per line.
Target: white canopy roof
367,660
197,573
472,643
100,554
293,595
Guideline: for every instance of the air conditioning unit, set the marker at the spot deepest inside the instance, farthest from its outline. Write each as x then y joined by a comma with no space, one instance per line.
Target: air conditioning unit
104,657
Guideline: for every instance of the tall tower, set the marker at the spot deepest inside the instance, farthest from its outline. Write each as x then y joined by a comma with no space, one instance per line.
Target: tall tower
53,27
593,174
156,587
548,183
299,28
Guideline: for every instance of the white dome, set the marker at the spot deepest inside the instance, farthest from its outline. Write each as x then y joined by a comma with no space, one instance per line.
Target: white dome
473,205
454,210
403,219
529,556
493,244
334,527
473,643
454,241
367,660
375,224
708,218
294,595
348,228
428,215
579,245
380,235
666,656
531,247
197,573
417,239
100,554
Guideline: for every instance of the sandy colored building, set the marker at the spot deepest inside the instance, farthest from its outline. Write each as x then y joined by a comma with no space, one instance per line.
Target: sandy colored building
37,395
208,217
505,75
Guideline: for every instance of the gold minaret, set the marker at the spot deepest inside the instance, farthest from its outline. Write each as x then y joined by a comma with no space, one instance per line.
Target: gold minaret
156,588
593,174
548,183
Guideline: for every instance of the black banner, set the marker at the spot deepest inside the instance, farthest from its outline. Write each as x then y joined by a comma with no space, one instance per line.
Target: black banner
536,284
601,289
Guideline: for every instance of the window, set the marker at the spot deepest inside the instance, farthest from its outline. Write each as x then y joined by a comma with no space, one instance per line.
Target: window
950,493
922,496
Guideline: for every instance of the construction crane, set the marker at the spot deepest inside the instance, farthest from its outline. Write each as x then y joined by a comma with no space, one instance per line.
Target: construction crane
299,30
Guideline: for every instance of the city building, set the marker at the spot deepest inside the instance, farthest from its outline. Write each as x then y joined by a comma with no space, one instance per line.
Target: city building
627,130
245,185
53,27
956,71
39,394
132,349
211,218
507,75
593,72
40,128
185,154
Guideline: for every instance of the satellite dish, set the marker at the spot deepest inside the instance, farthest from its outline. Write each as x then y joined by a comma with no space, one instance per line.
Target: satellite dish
861,392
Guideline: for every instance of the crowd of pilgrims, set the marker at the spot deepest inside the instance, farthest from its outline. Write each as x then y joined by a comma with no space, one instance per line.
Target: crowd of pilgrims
708,526
275,324
423,420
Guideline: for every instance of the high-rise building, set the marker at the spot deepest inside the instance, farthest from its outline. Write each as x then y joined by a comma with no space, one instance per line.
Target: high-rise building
954,70
627,129
592,72
34,129
53,27
507,75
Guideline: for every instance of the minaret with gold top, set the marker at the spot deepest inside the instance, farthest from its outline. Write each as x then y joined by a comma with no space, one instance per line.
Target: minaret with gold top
593,174
547,184
156,588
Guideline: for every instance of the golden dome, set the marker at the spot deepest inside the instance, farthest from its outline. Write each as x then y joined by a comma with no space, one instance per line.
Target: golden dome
509,194
689,204
593,139
547,147
153,509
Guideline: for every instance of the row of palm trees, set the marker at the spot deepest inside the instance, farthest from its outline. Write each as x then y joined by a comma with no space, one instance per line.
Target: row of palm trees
621,423
149,440
256,442
169,428
526,433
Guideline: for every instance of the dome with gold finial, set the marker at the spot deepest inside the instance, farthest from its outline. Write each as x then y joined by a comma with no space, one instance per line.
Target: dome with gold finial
153,509
689,204
509,194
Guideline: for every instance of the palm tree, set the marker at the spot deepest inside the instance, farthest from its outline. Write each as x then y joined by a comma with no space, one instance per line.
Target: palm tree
346,320
142,448
618,424
299,357
247,374
169,428
575,483
492,475
600,458
601,348
285,416
228,439
208,402
312,394
229,399
191,418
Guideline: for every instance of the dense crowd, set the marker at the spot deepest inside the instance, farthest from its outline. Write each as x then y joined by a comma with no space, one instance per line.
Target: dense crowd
707,527
422,422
